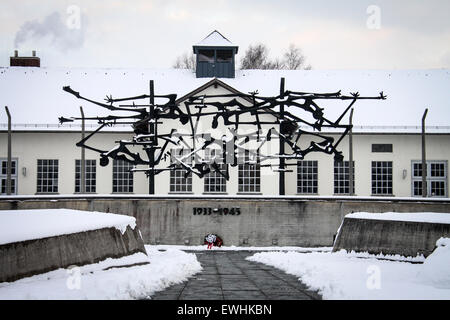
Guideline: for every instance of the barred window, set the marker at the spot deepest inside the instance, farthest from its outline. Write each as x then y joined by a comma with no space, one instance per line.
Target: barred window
4,174
436,178
180,178
122,176
342,177
307,176
90,176
382,177
47,175
215,181
249,173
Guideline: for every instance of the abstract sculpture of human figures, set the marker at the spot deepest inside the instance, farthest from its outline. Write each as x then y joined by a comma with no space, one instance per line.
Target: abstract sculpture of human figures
227,109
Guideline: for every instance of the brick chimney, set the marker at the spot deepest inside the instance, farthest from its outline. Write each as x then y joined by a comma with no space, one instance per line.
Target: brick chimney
17,61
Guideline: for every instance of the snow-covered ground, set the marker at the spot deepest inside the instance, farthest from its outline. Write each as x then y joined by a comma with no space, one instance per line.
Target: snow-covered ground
22,225
343,275
239,248
163,269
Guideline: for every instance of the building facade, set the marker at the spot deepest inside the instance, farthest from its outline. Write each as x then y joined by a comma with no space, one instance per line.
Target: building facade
387,145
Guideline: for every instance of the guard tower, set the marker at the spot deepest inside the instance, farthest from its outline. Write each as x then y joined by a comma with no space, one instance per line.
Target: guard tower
215,56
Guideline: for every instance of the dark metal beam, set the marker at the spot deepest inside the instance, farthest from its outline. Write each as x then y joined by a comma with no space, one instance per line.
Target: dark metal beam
282,176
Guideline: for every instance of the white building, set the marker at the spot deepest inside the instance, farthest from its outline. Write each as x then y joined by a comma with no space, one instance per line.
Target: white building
386,134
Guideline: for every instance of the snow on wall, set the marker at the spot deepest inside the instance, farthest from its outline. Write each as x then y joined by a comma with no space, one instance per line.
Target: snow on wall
430,217
22,225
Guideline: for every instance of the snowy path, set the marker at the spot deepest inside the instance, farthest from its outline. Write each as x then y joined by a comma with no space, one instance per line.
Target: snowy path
227,275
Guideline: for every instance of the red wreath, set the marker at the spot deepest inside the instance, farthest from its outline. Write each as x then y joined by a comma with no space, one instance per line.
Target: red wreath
217,242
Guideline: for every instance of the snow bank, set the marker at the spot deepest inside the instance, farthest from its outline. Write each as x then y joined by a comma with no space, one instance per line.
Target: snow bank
22,225
436,268
430,217
136,282
343,275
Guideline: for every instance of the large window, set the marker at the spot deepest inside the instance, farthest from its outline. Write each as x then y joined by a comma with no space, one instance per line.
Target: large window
307,177
47,176
90,176
206,55
122,176
436,178
224,55
180,178
249,171
4,174
382,177
341,177
215,181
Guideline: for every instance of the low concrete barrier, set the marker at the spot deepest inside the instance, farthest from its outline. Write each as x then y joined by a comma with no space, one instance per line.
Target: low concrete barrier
405,238
254,221
27,258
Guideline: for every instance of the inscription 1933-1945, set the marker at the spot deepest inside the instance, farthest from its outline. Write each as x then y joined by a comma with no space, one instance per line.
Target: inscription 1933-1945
206,211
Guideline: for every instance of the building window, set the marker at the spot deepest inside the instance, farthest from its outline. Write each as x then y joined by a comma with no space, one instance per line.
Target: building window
341,177
214,181
47,176
382,177
122,176
90,176
180,178
4,174
206,55
307,177
224,55
436,178
379,147
249,173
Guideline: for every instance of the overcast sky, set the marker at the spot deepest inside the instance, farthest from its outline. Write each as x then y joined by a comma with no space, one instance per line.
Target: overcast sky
346,34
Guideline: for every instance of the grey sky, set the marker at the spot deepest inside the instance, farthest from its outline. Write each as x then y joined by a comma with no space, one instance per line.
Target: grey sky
413,34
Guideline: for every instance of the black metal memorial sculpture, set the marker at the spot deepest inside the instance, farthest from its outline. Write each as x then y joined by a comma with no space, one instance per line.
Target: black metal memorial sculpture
229,109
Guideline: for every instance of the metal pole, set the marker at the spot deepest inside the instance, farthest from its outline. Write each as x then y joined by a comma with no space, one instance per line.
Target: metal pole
351,191
281,172
152,122
9,163
83,156
424,157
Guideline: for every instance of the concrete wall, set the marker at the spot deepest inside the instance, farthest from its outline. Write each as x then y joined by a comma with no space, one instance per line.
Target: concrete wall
292,221
27,258
390,237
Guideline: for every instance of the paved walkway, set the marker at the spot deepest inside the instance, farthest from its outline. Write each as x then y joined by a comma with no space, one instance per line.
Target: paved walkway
227,275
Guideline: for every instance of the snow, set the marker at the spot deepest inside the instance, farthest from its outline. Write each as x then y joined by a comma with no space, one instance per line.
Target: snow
22,225
94,282
436,268
430,217
362,276
408,92
215,38
241,248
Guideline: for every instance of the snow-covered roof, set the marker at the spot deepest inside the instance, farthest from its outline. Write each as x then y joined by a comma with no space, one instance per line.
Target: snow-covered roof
215,39
35,97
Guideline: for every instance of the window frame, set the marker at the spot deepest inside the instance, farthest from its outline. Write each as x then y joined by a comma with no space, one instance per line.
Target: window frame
346,177
381,180
121,174
303,186
179,182
430,179
249,175
90,187
14,176
218,179
42,182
